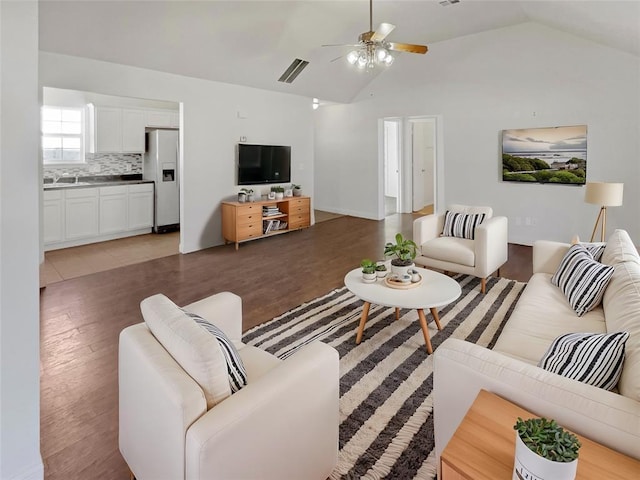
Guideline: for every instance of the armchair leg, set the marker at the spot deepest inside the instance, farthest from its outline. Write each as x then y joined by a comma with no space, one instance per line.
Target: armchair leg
498,273
483,285
131,475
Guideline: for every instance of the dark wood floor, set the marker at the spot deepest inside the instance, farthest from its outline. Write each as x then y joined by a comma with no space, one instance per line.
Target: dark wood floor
82,317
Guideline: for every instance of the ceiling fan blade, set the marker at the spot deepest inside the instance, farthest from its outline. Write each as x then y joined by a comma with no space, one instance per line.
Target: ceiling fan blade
407,47
382,31
341,45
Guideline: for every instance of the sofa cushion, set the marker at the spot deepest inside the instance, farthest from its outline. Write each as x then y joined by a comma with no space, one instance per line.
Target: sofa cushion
592,358
450,249
197,351
619,249
582,279
235,367
461,225
541,315
621,303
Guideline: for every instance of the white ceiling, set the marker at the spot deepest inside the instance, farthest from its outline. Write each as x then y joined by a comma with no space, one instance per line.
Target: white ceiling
253,42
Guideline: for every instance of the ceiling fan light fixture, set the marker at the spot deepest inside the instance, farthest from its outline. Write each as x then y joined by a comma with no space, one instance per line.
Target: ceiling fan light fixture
381,54
352,57
388,60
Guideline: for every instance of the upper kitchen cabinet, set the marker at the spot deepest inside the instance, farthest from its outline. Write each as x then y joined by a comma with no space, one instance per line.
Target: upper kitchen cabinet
116,130
162,118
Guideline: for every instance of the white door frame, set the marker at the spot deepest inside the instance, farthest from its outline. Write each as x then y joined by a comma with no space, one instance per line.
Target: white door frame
381,162
405,204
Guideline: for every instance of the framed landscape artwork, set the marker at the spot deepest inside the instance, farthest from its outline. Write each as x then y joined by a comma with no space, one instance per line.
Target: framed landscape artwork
556,155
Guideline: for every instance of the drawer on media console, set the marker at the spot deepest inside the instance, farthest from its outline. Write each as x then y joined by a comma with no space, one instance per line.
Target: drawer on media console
298,221
249,209
250,219
250,231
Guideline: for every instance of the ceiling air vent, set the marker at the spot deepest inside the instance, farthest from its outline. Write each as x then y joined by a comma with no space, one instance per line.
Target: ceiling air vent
444,3
293,71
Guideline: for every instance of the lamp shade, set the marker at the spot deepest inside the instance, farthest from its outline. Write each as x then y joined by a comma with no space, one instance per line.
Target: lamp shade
604,194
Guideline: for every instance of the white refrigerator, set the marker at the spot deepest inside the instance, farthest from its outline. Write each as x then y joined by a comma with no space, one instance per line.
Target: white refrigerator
161,166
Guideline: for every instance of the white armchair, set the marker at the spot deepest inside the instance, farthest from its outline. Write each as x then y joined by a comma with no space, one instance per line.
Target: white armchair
479,257
282,424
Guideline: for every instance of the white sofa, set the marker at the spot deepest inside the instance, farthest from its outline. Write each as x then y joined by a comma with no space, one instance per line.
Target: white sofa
282,424
479,257
542,313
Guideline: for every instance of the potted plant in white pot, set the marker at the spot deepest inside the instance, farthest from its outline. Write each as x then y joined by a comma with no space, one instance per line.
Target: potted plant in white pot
404,251
544,450
279,191
381,270
368,270
297,190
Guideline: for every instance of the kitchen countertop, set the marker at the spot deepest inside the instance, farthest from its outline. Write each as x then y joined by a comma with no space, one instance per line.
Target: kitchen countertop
93,181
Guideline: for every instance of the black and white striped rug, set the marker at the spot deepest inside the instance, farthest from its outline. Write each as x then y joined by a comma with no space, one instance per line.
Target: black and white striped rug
386,428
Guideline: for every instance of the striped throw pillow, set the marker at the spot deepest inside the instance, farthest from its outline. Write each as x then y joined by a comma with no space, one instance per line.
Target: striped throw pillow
592,358
596,249
235,367
582,279
461,225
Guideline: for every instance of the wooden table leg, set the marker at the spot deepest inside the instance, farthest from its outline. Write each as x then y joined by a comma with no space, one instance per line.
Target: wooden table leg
425,330
363,320
397,313
434,312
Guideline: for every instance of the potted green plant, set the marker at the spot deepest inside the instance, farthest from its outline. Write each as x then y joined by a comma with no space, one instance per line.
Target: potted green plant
381,270
279,191
297,190
368,270
245,194
544,450
404,252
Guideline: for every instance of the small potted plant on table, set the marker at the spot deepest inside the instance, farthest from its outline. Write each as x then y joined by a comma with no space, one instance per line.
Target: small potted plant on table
404,251
544,450
297,190
368,270
279,191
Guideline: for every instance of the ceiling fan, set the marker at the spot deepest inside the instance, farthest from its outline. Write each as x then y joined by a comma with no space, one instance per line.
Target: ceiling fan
373,48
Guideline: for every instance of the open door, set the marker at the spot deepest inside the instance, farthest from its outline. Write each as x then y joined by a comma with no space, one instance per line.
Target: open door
423,153
392,185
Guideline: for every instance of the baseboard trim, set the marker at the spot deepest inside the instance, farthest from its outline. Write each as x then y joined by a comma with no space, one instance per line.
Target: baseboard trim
344,211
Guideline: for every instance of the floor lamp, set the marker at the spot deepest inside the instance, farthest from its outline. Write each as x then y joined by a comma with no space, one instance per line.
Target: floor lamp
605,195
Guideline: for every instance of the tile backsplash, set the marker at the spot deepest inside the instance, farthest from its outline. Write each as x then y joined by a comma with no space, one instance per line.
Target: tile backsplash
99,164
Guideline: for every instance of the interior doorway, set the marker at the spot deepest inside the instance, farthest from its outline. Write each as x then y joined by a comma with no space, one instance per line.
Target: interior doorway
392,152
411,161
423,154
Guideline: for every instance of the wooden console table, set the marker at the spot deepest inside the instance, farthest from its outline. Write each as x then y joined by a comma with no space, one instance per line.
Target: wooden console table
483,447
246,221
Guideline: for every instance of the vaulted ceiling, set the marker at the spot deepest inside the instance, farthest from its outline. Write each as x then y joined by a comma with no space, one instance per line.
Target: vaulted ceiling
252,42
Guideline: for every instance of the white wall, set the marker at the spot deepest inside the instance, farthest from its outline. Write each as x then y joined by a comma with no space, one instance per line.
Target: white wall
522,76
19,243
211,130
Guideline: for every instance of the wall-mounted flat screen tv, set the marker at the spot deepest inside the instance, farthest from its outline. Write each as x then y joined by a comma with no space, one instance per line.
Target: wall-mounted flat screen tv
263,164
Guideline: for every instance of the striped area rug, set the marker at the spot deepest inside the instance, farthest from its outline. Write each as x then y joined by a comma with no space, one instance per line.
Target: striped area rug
386,428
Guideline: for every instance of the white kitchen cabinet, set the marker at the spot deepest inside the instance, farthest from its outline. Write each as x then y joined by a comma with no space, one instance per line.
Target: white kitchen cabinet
113,209
140,206
81,213
116,130
162,118
53,216
175,119
133,123
77,216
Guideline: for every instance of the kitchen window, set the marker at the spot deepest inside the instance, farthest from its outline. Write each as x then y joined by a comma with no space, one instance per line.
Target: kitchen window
62,135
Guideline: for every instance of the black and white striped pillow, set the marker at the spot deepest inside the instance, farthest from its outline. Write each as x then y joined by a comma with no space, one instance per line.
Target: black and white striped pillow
235,367
596,249
461,225
592,358
582,279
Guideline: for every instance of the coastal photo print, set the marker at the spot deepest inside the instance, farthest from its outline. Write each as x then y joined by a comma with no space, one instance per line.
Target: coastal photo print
556,155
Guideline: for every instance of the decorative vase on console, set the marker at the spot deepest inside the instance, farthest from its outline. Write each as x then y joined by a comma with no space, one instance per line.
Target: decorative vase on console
404,252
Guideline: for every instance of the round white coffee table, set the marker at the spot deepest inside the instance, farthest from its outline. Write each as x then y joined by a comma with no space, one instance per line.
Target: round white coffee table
436,290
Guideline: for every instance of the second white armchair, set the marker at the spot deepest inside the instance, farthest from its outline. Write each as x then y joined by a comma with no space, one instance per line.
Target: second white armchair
482,253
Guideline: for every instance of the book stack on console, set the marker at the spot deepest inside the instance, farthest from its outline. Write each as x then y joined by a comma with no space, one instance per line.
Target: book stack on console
270,211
